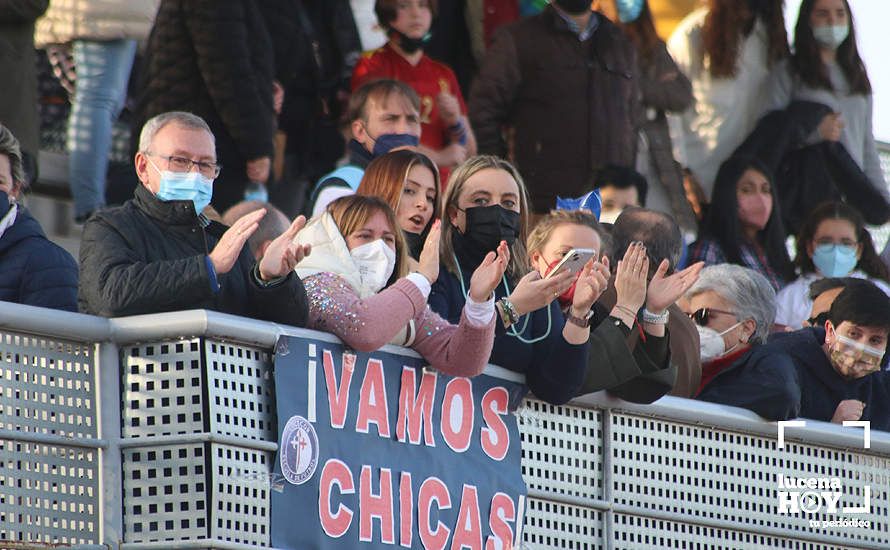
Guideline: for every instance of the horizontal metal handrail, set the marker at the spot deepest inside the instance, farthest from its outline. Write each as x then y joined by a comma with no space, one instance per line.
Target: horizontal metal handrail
52,439
212,324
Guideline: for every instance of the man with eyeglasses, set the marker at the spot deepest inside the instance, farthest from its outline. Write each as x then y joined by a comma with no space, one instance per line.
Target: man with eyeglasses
158,252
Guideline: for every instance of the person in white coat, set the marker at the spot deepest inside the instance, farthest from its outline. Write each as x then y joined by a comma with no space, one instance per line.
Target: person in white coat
726,49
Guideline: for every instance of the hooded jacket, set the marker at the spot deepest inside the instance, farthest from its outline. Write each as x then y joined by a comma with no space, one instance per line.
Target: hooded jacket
150,256
33,270
822,388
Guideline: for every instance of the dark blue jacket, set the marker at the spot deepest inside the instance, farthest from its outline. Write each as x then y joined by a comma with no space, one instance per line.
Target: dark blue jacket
763,380
553,368
822,388
34,270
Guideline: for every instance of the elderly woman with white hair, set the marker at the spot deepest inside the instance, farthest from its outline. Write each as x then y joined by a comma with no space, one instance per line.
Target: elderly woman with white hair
733,308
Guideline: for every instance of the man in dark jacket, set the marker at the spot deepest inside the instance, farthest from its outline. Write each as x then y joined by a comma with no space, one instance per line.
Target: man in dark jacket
157,253
566,82
838,366
661,235
33,270
214,58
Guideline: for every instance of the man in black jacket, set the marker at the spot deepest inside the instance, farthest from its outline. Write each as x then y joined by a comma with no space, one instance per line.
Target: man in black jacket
158,253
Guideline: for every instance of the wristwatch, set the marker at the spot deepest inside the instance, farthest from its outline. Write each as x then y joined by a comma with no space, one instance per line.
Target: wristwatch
583,322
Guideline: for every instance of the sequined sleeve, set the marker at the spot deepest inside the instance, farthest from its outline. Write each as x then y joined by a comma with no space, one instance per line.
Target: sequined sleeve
363,324
458,350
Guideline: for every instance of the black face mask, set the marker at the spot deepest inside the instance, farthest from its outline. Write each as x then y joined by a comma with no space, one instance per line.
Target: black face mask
487,226
415,243
411,45
574,7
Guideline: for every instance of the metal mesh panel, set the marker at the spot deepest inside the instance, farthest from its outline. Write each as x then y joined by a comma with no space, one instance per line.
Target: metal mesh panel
196,491
48,494
162,389
715,474
634,533
242,402
165,493
47,386
561,450
550,525
241,495
166,390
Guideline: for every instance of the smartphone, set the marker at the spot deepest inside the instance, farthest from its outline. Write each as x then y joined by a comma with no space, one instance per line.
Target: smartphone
573,261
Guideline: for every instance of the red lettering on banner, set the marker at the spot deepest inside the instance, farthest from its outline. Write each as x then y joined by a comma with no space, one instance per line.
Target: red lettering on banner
503,510
376,506
468,530
406,510
416,408
372,407
432,489
338,396
336,473
495,437
458,439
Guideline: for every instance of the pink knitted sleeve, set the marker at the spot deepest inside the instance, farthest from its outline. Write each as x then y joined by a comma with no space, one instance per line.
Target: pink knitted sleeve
363,324
458,350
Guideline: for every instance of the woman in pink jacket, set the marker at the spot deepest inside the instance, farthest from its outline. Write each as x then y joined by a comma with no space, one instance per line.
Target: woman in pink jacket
359,290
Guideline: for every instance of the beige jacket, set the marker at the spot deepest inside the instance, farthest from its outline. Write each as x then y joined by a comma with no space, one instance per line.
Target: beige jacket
68,20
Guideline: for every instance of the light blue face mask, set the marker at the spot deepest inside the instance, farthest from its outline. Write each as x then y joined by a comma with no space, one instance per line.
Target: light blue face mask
835,260
629,10
831,36
185,186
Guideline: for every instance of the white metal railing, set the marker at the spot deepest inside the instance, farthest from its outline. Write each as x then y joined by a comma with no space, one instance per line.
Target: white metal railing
76,469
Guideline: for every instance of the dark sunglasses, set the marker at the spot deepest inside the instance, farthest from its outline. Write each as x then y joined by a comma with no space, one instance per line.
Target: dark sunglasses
702,316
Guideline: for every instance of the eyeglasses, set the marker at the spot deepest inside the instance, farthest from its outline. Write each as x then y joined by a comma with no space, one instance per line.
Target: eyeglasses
703,316
182,164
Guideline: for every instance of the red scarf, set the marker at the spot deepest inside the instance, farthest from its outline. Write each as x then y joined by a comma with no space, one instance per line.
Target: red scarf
714,367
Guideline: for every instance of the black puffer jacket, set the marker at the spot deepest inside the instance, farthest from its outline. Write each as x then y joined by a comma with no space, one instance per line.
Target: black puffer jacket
214,58
33,270
149,256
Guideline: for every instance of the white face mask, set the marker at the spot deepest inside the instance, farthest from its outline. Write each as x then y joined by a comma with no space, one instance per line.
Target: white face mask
711,344
375,262
831,36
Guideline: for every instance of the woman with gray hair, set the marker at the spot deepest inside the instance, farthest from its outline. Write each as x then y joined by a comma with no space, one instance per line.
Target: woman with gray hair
733,308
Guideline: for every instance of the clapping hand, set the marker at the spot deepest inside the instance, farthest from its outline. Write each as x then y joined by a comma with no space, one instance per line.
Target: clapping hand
630,277
533,292
429,256
489,273
591,284
283,254
664,291
226,252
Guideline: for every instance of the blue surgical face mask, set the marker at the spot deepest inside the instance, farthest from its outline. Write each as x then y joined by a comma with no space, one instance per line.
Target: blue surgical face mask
629,10
185,186
835,260
831,36
387,142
